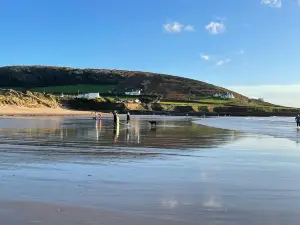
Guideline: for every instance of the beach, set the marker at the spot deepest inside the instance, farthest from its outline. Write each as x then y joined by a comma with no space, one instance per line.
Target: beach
75,170
24,111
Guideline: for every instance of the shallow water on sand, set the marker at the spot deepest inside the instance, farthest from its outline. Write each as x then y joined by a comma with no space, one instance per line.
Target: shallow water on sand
282,127
179,170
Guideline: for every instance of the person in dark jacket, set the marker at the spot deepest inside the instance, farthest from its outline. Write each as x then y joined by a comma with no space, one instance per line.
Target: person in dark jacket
297,119
115,118
128,117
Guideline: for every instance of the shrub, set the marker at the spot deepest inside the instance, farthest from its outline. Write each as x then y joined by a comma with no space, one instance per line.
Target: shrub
110,100
100,100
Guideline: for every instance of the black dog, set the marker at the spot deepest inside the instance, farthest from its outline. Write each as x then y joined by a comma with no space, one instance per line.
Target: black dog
152,123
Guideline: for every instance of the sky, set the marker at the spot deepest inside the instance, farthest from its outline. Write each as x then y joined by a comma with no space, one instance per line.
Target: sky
249,46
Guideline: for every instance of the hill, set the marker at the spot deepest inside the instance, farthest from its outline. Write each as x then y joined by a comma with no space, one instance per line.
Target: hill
167,86
176,94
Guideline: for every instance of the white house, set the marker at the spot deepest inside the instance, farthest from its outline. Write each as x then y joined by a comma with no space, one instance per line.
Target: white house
133,92
226,95
89,95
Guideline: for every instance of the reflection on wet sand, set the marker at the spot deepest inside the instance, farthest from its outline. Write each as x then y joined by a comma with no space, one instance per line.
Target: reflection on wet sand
91,134
116,133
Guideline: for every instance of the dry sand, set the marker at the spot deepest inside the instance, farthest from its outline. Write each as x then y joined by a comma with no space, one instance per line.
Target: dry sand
23,111
21,213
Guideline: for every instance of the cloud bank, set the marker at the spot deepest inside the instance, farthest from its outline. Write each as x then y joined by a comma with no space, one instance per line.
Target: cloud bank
286,95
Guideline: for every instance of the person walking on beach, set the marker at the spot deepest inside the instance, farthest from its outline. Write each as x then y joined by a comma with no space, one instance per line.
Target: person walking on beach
116,118
100,115
297,119
128,118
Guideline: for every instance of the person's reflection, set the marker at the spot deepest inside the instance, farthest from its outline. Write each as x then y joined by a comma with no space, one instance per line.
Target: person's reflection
98,128
100,125
61,134
153,128
116,132
127,135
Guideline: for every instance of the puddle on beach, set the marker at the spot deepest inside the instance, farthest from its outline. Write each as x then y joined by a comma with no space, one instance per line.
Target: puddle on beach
179,170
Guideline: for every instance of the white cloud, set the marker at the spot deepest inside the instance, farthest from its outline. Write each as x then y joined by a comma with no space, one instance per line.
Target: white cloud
175,27
223,62
285,95
215,27
272,3
189,28
205,57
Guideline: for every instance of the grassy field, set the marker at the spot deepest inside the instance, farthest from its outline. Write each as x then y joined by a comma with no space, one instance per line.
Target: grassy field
74,89
69,89
220,103
15,88
186,104
206,99
212,102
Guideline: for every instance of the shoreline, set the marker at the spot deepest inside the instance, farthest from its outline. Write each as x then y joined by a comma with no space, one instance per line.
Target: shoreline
11,111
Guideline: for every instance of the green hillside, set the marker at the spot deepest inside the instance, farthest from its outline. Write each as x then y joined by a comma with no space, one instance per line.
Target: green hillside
172,90
56,79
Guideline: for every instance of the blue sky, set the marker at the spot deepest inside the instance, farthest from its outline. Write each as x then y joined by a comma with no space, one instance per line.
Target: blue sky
247,45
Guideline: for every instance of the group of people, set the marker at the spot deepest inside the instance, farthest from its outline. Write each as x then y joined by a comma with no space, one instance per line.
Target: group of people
117,119
98,116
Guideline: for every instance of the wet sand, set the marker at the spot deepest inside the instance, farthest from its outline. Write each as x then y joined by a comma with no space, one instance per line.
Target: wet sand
23,213
80,171
27,213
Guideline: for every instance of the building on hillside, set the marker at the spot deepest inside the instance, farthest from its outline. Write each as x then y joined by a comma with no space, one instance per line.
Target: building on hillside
89,95
226,95
133,92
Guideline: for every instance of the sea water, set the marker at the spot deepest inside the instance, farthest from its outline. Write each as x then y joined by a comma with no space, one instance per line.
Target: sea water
282,127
